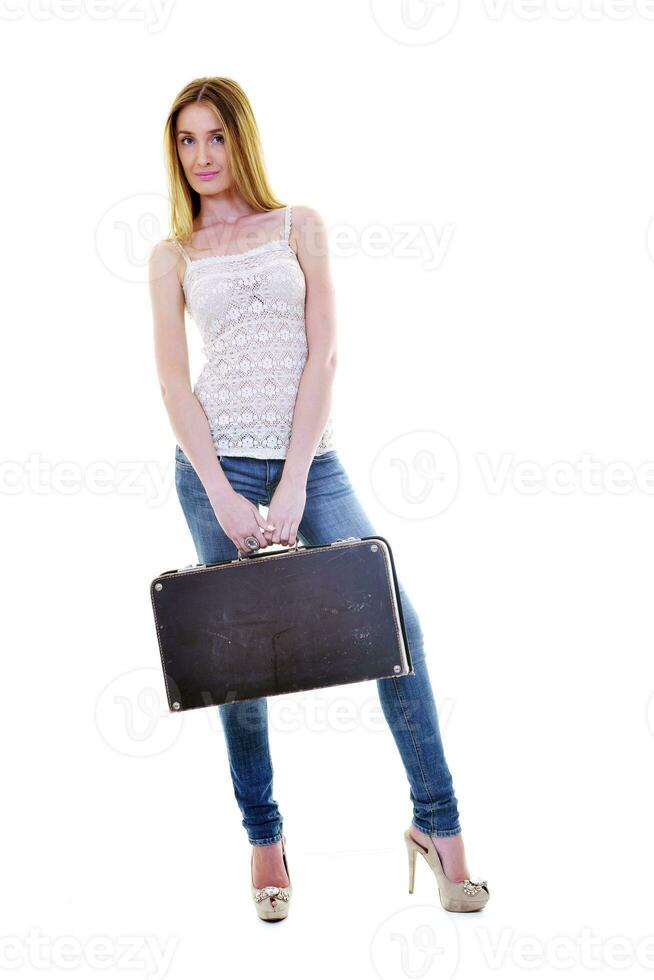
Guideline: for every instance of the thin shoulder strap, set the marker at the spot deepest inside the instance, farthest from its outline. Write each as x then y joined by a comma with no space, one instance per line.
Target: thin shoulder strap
287,222
183,251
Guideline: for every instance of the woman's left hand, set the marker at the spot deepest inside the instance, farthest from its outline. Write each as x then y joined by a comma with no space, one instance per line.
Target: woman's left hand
285,511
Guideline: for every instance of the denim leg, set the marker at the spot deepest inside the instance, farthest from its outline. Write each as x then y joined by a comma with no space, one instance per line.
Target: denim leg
333,511
410,710
244,723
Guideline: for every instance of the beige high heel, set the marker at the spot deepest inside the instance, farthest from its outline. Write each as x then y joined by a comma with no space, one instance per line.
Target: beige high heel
270,901
455,896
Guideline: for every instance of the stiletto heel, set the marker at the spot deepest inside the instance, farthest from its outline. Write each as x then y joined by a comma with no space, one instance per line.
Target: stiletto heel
455,896
412,853
272,902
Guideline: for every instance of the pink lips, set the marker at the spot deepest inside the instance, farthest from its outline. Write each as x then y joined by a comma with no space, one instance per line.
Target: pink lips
207,175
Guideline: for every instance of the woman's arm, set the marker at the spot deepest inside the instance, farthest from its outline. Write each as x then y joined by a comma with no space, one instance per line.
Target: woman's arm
237,515
313,400
314,396
187,418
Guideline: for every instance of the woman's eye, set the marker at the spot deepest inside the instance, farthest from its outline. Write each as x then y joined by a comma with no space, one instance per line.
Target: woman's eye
217,136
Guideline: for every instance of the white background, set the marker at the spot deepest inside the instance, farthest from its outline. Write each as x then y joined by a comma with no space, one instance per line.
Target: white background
519,137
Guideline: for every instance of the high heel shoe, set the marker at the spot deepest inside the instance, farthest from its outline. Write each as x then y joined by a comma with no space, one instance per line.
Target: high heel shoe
272,902
455,896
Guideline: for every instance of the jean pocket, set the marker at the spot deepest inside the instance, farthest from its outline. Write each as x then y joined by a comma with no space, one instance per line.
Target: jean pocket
181,459
330,454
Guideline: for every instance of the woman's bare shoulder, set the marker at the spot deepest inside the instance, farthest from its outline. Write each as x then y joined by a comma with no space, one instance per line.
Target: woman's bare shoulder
304,213
165,256
309,231
163,249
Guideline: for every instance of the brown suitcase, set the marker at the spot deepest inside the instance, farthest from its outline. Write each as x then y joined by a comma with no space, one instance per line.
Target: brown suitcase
278,621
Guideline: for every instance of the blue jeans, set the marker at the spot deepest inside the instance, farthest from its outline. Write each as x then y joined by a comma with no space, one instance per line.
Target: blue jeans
332,510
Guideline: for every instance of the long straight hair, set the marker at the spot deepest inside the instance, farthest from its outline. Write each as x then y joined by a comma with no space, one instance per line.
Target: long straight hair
243,145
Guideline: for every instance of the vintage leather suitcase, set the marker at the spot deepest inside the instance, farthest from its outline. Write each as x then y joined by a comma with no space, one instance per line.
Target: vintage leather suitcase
280,620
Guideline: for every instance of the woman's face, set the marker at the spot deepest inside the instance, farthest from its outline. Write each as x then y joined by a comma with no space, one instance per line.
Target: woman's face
201,146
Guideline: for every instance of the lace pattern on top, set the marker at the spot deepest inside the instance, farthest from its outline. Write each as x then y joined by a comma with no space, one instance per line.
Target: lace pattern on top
249,309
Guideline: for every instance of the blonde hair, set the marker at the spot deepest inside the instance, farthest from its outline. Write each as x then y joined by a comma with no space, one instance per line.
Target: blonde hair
243,146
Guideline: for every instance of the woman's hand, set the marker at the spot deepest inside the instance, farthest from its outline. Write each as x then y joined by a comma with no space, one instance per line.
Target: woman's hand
239,518
285,511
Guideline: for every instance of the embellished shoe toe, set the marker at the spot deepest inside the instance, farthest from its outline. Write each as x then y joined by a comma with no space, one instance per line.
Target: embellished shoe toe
272,902
455,896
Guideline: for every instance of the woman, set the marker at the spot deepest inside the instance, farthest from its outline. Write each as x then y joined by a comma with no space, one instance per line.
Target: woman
256,429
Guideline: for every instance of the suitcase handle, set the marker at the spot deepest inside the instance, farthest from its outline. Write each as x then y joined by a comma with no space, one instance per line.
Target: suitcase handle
294,547
253,554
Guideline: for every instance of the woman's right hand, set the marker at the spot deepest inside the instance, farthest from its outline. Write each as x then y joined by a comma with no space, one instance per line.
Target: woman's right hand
240,519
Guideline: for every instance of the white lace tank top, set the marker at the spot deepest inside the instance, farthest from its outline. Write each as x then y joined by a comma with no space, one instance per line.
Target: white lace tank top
249,308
